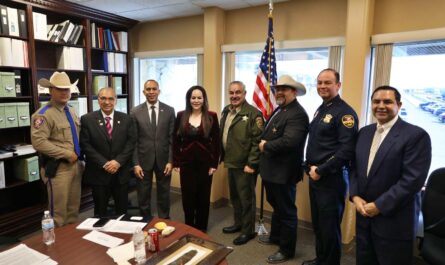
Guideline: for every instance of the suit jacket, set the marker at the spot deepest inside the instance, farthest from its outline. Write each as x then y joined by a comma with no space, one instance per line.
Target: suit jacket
243,137
191,148
397,174
99,149
150,148
285,133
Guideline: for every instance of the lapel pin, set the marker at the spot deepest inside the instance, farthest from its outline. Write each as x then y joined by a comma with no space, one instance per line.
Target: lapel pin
118,122
245,118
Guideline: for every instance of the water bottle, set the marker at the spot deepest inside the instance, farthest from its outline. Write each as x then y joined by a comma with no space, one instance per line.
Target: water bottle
139,246
48,229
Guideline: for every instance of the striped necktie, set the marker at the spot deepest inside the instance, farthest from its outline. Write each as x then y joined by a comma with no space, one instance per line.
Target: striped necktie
108,127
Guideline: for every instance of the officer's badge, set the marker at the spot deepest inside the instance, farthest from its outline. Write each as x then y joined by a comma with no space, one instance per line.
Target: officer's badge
327,118
38,122
245,118
348,121
259,122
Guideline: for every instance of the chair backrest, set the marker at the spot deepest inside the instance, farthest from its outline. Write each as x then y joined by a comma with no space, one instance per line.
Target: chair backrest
433,207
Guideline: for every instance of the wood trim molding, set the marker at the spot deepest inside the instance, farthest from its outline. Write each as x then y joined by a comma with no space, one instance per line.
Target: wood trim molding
77,10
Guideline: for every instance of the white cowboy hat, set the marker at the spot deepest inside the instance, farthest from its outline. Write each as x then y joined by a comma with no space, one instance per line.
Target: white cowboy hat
288,81
59,80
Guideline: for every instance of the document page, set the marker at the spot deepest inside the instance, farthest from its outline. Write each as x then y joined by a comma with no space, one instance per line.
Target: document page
23,255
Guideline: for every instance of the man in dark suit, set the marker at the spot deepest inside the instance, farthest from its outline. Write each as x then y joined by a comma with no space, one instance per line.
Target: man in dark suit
391,165
154,122
281,159
107,139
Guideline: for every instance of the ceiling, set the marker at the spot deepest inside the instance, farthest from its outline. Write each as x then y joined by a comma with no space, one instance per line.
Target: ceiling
150,10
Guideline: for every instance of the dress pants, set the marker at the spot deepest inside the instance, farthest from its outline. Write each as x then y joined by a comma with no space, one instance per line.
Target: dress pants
242,196
196,185
327,200
144,187
64,192
102,194
375,250
284,217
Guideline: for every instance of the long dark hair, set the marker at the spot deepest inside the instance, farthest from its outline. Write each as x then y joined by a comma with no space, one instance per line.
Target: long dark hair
206,119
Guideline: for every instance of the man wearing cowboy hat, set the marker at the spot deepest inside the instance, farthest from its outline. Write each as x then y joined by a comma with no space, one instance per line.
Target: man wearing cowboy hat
329,151
55,135
282,146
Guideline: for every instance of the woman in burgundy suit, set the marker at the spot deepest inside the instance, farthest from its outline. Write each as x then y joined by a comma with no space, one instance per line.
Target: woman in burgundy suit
196,148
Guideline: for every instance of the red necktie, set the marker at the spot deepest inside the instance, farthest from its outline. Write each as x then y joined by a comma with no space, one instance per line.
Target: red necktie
108,126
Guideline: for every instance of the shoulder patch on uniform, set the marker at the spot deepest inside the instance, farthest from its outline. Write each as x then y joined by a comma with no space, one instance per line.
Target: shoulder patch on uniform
348,121
259,122
38,122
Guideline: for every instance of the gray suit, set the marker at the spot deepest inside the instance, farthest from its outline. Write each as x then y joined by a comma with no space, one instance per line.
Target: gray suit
152,152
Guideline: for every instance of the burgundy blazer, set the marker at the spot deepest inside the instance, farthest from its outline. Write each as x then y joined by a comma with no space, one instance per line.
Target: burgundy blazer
189,148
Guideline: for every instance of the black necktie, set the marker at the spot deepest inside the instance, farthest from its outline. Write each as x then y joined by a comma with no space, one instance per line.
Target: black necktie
153,116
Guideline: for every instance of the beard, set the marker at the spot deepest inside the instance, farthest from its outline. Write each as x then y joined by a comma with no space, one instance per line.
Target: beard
280,100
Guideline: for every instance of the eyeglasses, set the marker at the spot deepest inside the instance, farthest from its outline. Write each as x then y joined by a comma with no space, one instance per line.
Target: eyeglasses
105,99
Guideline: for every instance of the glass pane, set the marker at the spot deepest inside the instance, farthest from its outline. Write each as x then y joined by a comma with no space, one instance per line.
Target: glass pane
175,76
417,72
302,65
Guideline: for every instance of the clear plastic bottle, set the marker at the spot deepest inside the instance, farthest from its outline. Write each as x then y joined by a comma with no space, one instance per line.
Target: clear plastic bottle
139,246
49,237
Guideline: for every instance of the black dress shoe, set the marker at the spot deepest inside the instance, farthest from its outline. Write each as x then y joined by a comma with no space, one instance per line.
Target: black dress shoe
265,240
278,257
243,239
310,262
231,229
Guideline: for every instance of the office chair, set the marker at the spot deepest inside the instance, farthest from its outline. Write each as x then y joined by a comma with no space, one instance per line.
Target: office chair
433,208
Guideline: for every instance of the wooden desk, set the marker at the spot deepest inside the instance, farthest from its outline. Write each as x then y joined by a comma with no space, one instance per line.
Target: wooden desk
71,248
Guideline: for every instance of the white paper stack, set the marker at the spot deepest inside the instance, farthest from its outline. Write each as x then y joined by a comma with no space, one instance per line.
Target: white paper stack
23,255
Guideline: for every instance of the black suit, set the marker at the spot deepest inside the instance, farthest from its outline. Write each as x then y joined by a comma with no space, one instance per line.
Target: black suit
281,169
99,149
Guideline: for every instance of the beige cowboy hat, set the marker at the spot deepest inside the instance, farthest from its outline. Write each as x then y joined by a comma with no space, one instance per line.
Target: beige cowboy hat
59,80
288,81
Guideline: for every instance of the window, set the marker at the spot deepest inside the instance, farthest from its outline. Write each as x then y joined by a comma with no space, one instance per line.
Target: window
417,72
175,76
303,65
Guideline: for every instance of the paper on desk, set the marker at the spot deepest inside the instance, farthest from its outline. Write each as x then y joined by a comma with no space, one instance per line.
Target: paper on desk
23,255
103,239
114,226
122,253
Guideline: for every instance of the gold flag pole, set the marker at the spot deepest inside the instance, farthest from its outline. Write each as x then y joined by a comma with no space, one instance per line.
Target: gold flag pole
260,229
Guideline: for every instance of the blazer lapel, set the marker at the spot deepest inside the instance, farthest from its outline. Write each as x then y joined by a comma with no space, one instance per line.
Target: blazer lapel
116,125
101,124
145,117
384,147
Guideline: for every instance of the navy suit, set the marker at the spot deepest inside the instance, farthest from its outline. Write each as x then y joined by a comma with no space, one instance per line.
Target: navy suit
395,178
99,149
281,169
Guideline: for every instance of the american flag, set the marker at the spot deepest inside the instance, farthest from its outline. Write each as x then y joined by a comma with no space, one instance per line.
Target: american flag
264,94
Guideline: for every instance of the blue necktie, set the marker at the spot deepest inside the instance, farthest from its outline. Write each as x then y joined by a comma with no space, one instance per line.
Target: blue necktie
73,131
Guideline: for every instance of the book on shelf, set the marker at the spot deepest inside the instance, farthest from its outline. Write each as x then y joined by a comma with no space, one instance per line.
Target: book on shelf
4,27
13,52
107,39
116,83
22,23
70,58
13,20
40,26
99,81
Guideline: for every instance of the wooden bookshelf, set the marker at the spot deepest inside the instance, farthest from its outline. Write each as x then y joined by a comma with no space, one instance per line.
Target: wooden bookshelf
23,202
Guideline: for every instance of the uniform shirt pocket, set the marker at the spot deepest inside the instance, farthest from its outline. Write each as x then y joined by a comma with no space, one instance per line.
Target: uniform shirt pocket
63,132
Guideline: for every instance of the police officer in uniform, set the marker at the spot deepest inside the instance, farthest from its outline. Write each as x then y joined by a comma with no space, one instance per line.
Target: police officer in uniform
241,128
55,135
330,148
